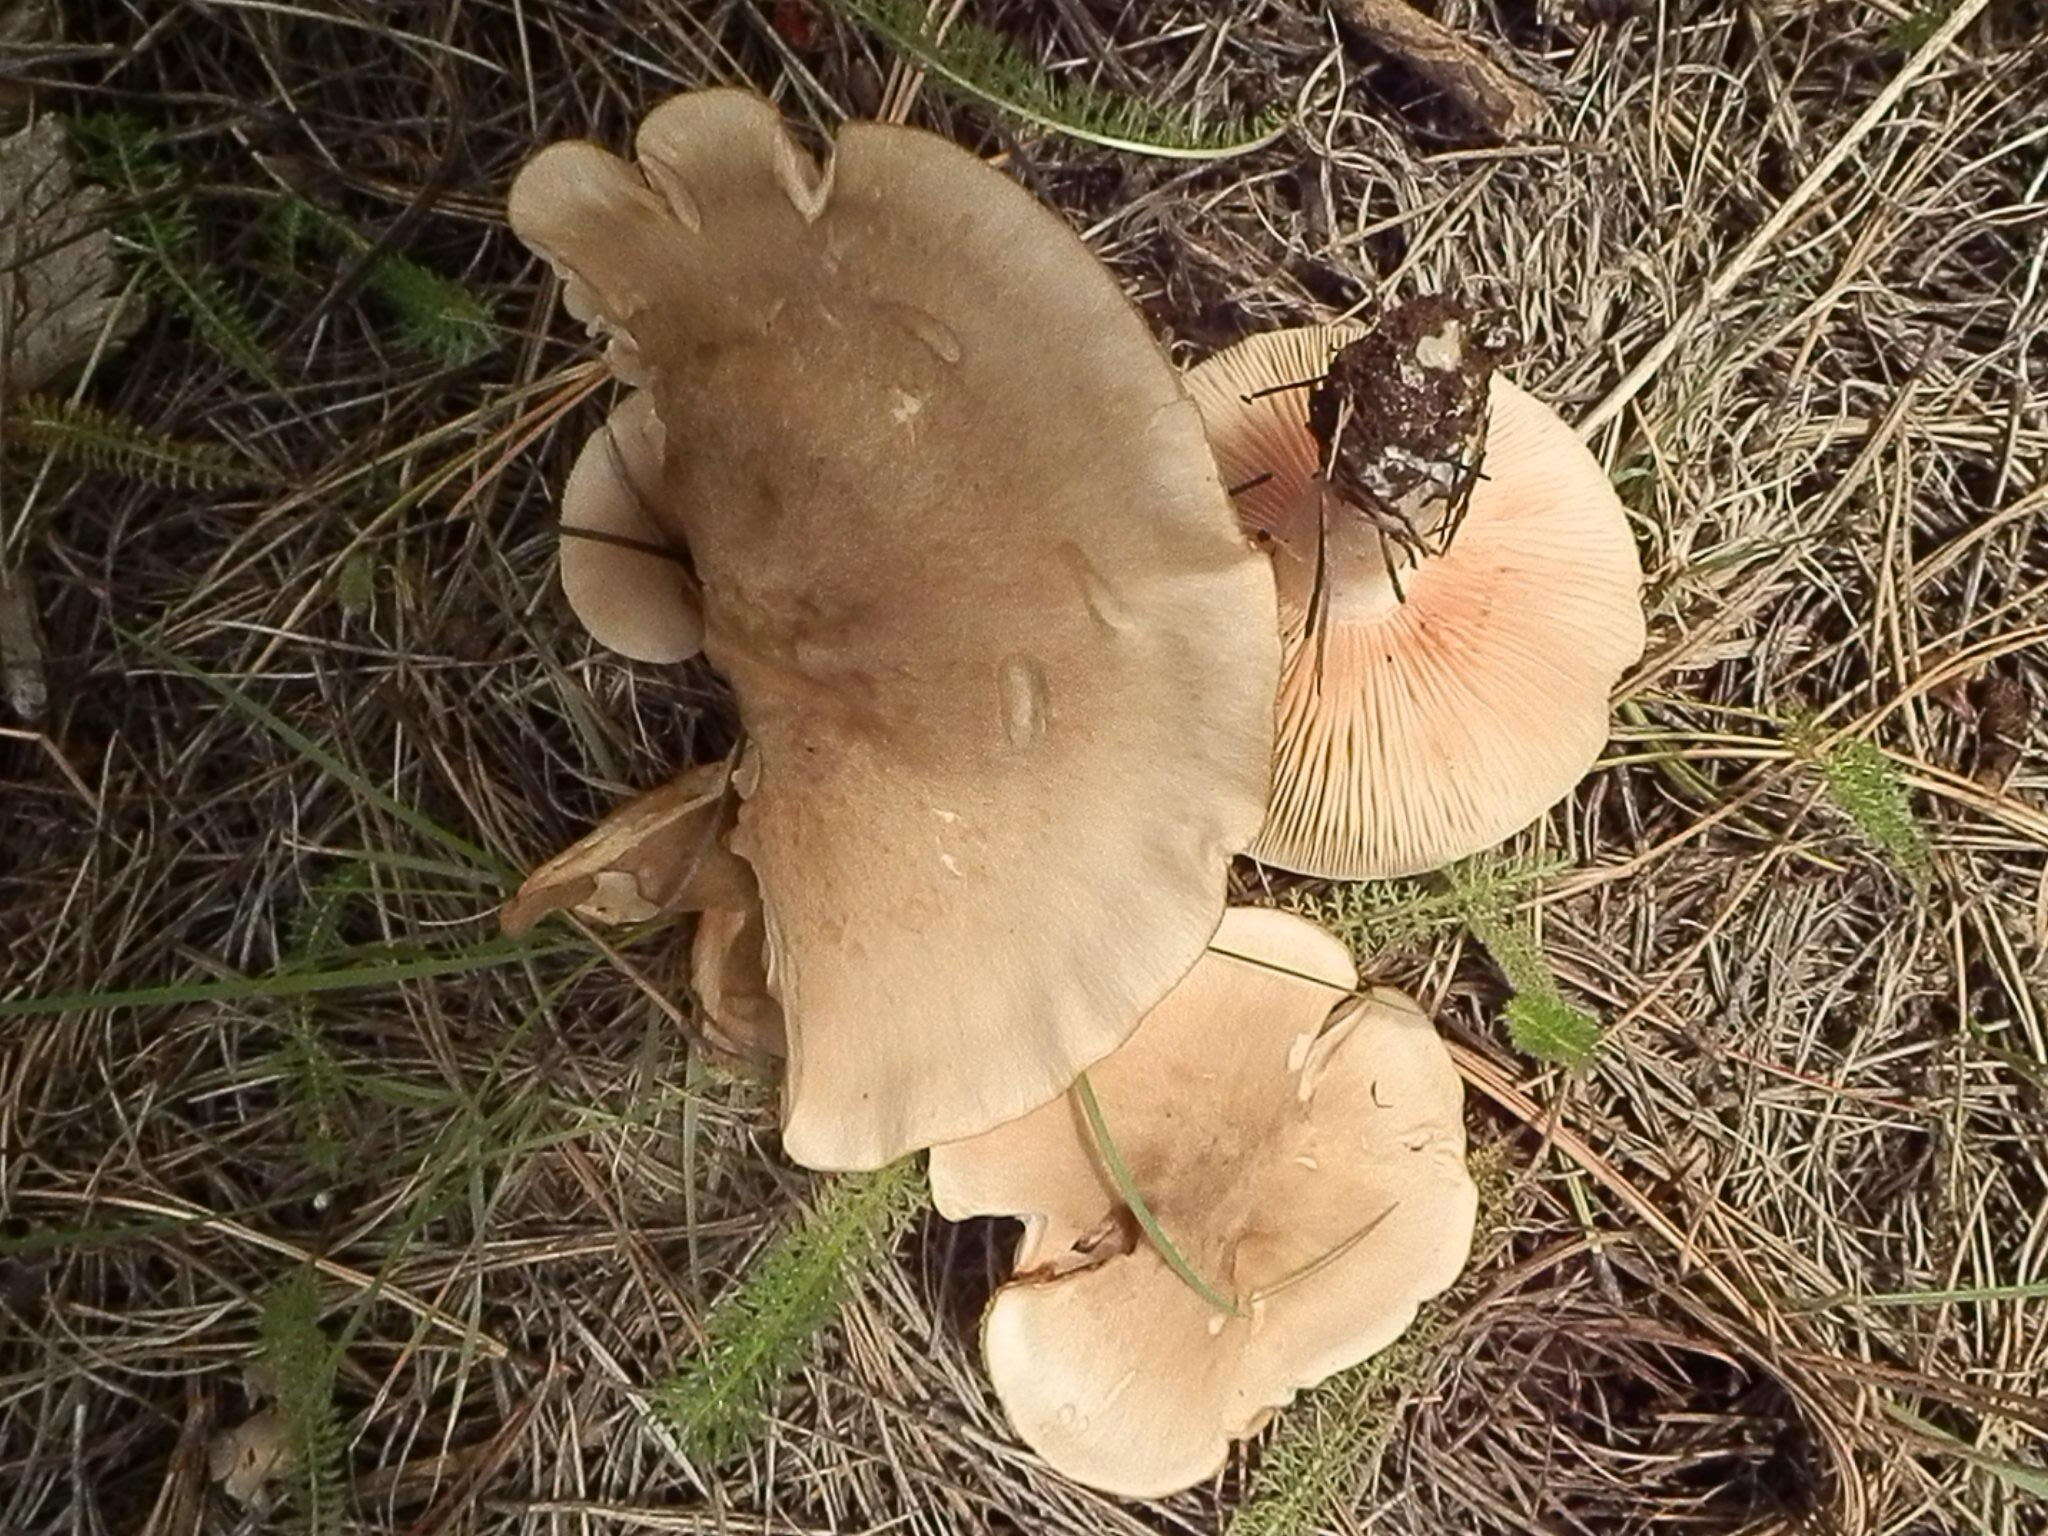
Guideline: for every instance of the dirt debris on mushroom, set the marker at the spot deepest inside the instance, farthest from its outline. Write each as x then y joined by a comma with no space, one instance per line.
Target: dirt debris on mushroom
1006,658
1441,692
1303,1148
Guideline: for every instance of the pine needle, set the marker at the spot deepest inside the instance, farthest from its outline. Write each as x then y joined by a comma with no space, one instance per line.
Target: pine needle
985,66
764,1329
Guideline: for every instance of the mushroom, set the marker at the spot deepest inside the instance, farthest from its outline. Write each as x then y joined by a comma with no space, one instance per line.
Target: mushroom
728,972
1308,1165
1006,658
1455,687
660,853
625,582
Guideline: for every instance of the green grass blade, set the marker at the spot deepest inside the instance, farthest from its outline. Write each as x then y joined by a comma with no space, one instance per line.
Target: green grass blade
2031,1291
306,747
2032,1481
1120,1175
984,65
292,982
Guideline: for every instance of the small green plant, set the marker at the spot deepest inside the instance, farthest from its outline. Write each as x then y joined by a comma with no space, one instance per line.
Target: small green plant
1317,1457
301,1362
1541,1021
158,222
1866,787
94,439
984,65
764,1329
435,315
1328,1440
313,1079
1480,893
355,589
1910,33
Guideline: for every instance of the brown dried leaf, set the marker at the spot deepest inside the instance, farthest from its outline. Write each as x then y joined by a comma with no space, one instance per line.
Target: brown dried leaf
57,258
254,1453
2004,715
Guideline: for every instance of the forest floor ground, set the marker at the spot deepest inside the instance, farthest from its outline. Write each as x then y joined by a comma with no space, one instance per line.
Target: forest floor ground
272,1090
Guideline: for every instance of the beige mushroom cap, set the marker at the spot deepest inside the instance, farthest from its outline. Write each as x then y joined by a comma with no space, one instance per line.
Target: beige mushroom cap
1309,1164
1007,659
1441,724
640,604
660,853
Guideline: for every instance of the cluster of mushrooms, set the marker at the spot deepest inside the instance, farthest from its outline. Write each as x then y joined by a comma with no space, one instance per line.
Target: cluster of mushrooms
1006,604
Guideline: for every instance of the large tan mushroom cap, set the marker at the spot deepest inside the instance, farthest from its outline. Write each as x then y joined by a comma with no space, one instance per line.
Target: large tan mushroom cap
1005,655
1309,1165
660,853
1421,730
638,603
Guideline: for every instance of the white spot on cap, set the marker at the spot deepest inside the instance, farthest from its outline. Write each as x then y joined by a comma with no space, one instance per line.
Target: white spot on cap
1445,351
1021,683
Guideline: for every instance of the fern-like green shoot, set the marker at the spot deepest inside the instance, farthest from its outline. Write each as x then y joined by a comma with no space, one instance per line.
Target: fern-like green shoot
159,224
435,315
765,1328
1481,893
1372,916
1865,785
1317,1457
1328,1440
91,438
1541,1021
313,1080
302,1361
1545,1026
985,66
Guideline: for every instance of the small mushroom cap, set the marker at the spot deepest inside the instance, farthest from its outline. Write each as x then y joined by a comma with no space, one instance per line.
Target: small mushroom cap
1425,726
639,604
660,853
1007,659
1308,1164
